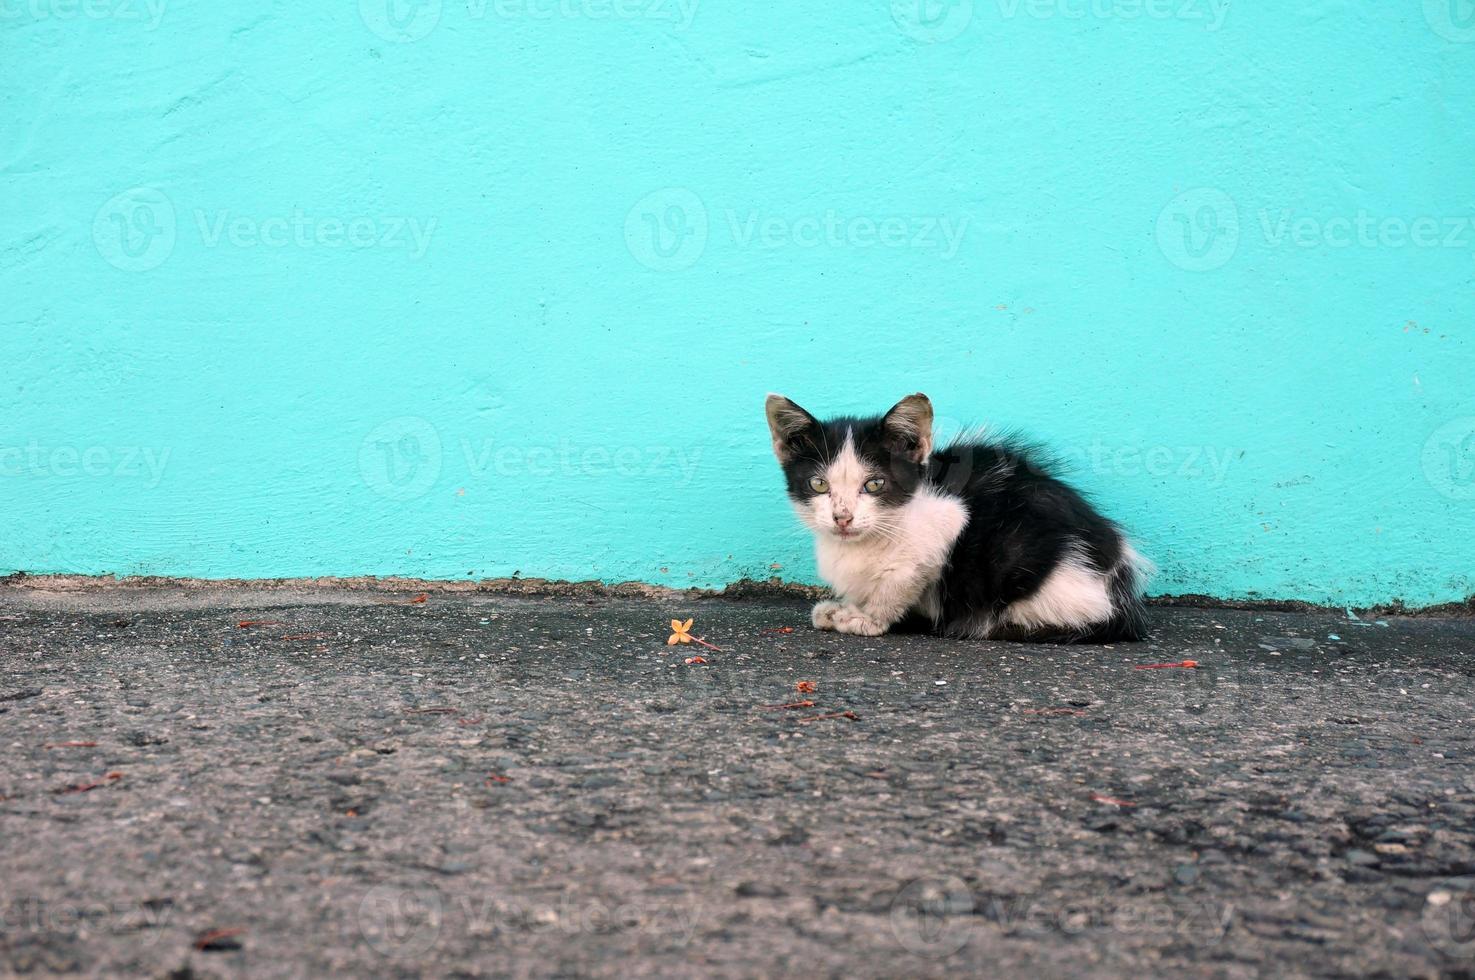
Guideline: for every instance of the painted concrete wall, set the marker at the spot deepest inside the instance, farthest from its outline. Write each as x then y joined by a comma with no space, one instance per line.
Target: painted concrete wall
471,287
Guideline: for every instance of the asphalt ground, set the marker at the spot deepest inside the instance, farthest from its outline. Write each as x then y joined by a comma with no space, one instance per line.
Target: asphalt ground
232,781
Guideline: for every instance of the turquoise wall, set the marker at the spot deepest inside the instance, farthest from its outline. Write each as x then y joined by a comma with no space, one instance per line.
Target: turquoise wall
469,288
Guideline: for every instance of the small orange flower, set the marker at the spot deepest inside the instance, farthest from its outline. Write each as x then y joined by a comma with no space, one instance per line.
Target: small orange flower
681,633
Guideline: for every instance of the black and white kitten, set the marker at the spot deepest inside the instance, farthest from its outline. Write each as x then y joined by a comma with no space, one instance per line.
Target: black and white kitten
975,540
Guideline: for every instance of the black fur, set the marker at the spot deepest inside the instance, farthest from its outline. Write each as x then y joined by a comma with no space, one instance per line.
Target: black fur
1023,520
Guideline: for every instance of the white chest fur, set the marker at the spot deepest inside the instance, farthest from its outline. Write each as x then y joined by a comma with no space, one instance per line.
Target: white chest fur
912,550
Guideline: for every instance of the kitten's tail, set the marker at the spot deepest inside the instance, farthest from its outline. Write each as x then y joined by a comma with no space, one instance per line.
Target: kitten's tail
1128,621
1125,583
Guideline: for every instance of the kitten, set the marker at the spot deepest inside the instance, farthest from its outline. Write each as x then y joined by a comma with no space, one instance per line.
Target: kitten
975,540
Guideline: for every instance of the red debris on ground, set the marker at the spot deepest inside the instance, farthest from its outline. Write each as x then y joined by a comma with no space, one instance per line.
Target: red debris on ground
71,745
779,630
1184,664
494,778
111,777
1098,798
806,687
246,624
696,660
851,715
786,707
219,940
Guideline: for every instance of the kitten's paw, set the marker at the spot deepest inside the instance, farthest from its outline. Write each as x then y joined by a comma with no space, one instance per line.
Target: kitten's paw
851,620
823,616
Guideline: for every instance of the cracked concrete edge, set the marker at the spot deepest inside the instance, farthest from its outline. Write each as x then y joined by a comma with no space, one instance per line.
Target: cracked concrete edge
773,588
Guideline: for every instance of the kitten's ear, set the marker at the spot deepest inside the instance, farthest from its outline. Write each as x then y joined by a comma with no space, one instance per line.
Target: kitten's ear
789,424
909,427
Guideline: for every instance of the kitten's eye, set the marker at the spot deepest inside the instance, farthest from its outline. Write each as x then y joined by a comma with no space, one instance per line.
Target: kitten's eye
819,484
875,486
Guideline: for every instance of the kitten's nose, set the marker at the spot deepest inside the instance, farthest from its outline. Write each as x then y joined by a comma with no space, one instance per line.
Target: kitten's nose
842,521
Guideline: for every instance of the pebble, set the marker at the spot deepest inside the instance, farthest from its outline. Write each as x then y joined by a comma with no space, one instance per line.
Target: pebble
759,889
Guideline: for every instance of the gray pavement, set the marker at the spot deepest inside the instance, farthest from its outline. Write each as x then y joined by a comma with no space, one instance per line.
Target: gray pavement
476,785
